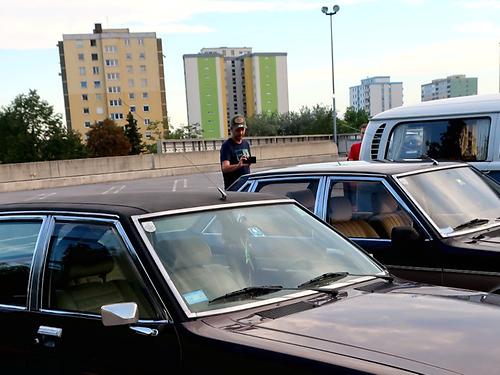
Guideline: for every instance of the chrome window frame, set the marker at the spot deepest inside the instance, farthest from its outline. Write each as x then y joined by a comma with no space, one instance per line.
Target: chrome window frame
391,190
68,216
26,216
397,178
137,222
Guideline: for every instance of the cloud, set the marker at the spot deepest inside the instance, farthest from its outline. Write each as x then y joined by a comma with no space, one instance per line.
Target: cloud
41,23
478,27
480,4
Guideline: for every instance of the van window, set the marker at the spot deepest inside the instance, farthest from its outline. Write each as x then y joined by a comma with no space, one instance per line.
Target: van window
451,139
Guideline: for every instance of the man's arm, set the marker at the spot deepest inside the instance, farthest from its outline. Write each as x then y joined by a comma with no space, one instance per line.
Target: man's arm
228,168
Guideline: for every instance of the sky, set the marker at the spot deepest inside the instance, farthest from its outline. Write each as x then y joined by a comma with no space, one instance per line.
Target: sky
412,41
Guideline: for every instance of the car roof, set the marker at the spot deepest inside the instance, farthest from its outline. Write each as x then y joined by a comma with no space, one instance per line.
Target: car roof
128,204
358,167
474,104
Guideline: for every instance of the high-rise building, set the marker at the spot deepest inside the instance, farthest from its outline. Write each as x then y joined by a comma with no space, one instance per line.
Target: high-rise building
376,94
221,82
108,74
449,87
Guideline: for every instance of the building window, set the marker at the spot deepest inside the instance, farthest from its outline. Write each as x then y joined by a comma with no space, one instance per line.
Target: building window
145,95
98,97
111,62
82,70
115,102
110,49
148,134
97,84
112,76
86,124
140,41
95,57
85,97
130,83
126,42
79,44
128,56
83,84
130,69
131,95
95,70
147,121
142,55
81,57
145,108
144,82
132,108
99,110
114,89
86,110
143,68
93,42
116,116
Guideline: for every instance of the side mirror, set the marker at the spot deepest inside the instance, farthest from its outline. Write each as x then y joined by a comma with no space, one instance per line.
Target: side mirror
404,237
119,314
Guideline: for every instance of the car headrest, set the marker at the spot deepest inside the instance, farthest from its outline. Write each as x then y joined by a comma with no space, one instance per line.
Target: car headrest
184,252
384,203
84,260
340,209
305,197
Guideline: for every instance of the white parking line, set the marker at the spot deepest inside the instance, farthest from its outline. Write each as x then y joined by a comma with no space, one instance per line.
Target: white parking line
185,183
114,189
174,188
40,196
120,189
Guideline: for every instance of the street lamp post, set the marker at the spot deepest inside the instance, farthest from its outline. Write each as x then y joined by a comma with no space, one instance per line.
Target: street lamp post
335,9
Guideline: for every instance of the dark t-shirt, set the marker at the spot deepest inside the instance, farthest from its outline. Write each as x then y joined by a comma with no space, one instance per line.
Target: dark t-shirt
232,151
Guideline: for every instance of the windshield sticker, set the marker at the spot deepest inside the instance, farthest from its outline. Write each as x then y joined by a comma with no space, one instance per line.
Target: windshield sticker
256,232
149,226
195,296
447,230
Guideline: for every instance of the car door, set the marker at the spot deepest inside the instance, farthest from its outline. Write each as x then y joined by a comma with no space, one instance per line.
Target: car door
367,209
18,241
90,263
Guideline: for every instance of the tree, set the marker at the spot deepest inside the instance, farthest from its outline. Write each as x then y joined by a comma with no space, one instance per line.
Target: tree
27,127
133,135
354,118
105,138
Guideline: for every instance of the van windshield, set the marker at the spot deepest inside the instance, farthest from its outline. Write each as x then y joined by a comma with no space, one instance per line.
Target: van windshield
455,199
451,139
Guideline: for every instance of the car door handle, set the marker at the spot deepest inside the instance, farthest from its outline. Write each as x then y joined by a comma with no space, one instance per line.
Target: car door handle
50,331
145,331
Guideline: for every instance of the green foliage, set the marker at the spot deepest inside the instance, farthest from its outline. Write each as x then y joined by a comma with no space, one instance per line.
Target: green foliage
133,135
31,131
107,139
185,132
354,118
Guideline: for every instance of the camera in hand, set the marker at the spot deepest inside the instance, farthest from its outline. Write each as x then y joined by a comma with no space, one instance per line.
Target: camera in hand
251,160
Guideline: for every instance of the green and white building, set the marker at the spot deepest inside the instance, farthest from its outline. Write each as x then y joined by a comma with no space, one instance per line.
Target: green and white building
221,82
449,87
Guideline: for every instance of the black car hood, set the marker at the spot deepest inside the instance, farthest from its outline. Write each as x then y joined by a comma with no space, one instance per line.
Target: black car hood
438,328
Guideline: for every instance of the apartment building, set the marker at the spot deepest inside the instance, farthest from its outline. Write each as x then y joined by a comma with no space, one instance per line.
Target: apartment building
221,82
376,94
108,74
449,87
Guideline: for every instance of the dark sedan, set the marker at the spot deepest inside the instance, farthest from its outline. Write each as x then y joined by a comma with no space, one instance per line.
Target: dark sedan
429,222
192,283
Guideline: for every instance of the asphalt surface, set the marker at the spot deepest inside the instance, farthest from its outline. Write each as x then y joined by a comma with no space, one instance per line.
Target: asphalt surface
171,183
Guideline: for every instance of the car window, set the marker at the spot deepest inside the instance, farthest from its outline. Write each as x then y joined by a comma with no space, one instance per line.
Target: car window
364,209
453,139
17,246
88,266
302,190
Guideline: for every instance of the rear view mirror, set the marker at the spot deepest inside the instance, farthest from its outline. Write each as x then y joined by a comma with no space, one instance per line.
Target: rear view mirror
119,314
404,236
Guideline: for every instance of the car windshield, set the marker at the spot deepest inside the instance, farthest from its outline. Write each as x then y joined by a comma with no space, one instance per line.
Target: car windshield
455,199
209,254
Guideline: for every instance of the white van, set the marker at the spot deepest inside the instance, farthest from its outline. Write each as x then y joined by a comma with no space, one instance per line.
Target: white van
465,128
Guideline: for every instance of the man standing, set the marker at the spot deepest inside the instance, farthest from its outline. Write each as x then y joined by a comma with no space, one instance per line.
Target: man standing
235,152
356,147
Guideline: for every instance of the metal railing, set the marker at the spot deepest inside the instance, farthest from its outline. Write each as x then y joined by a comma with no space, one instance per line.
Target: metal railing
193,145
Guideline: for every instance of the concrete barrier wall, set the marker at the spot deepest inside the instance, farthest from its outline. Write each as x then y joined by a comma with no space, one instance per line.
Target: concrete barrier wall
40,175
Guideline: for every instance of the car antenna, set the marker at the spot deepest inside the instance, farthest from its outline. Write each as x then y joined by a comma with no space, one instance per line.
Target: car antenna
221,191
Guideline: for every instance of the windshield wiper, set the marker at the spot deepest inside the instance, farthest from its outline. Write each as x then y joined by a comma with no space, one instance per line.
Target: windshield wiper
472,223
330,277
252,291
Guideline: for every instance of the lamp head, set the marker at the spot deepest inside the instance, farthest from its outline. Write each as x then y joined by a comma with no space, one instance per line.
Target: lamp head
324,9
336,8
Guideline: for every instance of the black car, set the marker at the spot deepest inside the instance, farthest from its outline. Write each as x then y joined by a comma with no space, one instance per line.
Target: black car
189,283
430,222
